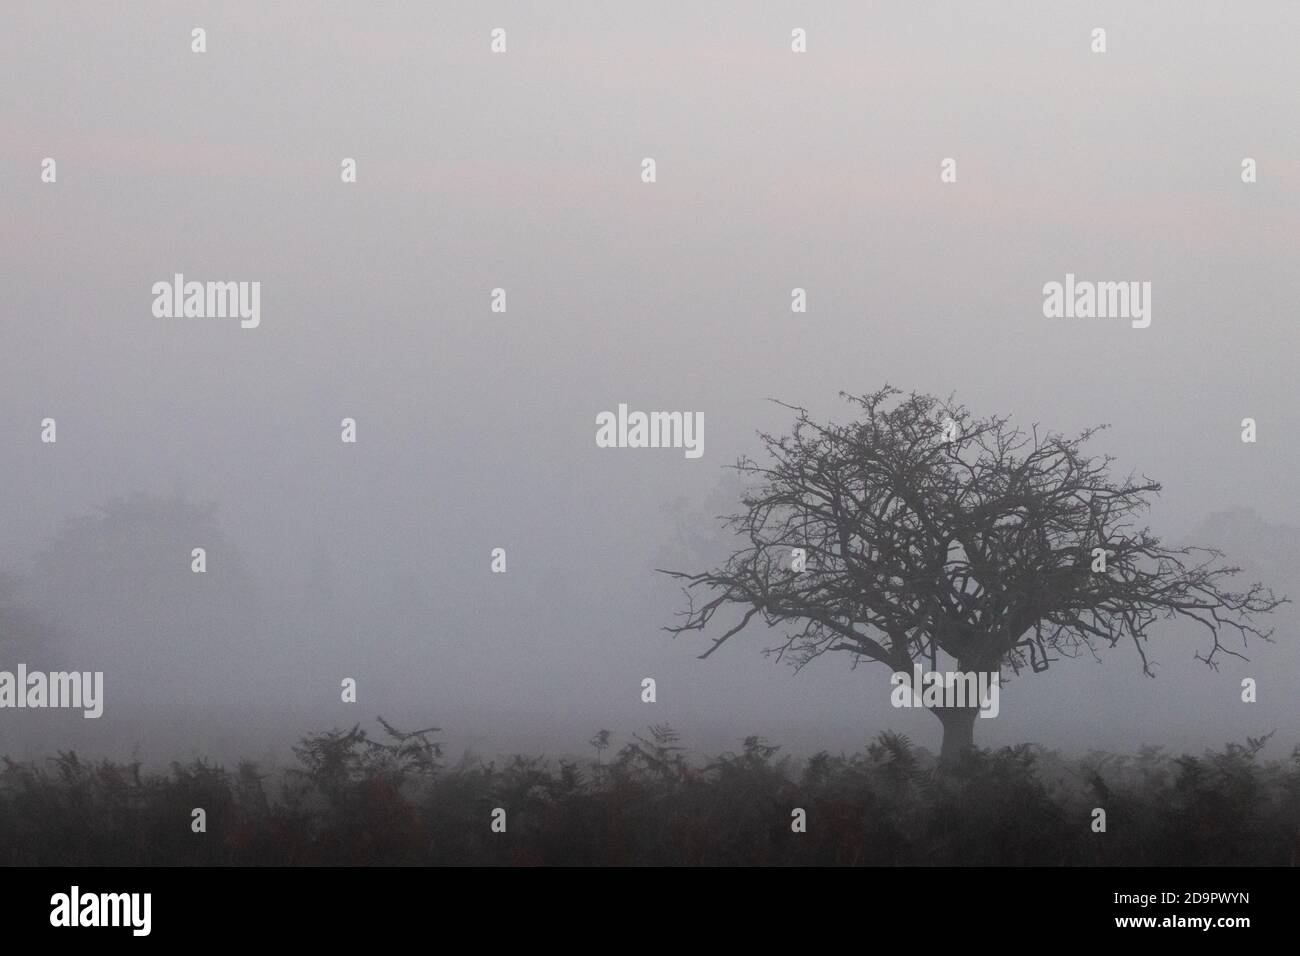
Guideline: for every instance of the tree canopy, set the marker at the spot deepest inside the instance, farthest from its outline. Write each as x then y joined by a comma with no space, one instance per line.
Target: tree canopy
926,530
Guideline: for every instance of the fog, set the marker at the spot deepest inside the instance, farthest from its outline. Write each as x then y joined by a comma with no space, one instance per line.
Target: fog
475,429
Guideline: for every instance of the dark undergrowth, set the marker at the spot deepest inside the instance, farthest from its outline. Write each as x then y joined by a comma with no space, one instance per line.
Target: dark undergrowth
357,799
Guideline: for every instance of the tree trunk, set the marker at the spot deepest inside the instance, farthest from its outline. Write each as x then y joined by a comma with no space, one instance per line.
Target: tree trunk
958,734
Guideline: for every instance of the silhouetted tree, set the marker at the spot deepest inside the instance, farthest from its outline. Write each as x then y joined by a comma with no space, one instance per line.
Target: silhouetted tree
927,530
26,632
120,581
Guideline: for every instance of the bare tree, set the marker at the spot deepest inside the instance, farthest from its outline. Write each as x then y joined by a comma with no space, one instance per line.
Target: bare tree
929,531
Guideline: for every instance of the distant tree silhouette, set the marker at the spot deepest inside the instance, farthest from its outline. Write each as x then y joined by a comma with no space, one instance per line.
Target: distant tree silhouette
119,580
27,633
930,531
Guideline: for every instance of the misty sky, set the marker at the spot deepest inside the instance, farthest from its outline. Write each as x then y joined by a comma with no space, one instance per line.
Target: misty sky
476,430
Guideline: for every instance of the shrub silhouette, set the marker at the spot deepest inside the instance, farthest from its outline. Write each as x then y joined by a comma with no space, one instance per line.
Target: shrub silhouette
394,799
